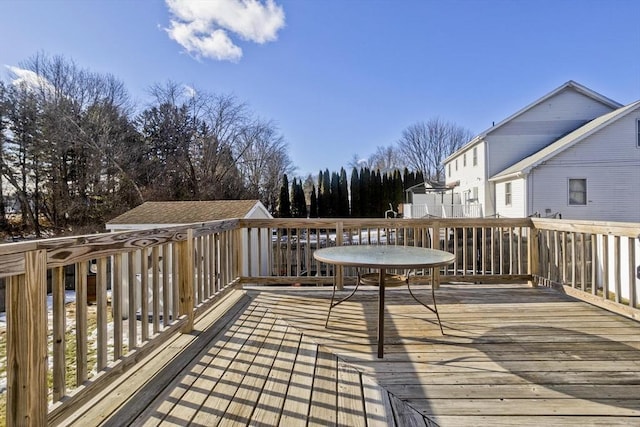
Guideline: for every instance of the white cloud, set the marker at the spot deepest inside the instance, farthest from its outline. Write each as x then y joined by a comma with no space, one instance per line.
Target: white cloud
203,28
21,76
189,91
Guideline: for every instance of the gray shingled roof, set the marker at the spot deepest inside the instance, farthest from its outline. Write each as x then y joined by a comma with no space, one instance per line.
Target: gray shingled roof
528,163
185,212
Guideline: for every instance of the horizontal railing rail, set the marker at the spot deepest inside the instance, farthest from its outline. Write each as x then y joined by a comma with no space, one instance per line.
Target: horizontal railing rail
144,286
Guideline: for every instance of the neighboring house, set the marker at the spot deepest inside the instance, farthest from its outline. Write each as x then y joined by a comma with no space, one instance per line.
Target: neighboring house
573,153
168,214
428,200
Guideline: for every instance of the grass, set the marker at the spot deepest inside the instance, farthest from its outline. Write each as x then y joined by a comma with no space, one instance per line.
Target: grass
70,354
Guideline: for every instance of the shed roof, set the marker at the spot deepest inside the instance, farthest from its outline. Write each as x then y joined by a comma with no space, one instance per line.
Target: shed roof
528,163
186,212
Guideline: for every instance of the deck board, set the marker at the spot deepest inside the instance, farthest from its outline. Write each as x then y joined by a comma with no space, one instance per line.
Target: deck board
511,355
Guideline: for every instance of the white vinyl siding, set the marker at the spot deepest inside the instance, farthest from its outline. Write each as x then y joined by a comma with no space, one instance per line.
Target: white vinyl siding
470,177
516,208
611,167
540,126
638,134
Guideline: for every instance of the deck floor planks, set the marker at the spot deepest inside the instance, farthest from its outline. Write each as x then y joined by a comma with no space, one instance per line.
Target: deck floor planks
542,352
173,394
323,409
298,399
215,367
269,407
516,356
240,408
350,404
377,404
211,395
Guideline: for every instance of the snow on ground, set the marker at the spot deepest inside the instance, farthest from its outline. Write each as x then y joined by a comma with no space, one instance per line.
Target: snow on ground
69,296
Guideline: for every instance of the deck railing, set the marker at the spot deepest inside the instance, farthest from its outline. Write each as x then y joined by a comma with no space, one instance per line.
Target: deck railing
151,284
595,261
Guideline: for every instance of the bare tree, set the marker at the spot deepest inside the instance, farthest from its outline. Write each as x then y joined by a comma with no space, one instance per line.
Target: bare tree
424,145
204,146
385,159
81,119
263,162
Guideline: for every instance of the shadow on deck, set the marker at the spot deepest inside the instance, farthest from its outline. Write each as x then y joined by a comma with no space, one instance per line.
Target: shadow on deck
511,355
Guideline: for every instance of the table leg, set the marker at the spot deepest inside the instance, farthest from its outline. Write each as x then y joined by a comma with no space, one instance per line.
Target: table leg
381,313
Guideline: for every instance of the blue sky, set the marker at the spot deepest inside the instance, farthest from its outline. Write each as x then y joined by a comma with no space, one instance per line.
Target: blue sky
343,77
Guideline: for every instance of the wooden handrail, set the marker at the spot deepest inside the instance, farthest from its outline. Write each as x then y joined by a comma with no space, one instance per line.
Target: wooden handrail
160,279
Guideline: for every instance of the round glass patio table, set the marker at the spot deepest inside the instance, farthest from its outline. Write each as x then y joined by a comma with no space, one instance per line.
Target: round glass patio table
383,257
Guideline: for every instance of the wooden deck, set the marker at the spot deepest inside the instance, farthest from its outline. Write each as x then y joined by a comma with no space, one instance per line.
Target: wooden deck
512,355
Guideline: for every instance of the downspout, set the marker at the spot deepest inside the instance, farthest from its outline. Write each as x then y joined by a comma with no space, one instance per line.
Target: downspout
529,193
488,194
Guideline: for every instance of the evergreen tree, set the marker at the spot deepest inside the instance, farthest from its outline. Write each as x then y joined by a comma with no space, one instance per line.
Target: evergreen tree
398,191
284,205
325,191
343,195
365,178
334,208
355,194
299,203
322,203
313,205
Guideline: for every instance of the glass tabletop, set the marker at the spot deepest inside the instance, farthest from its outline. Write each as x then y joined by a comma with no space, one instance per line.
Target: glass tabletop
382,256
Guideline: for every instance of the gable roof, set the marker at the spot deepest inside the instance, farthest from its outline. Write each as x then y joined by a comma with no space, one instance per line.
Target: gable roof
568,85
528,163
187,212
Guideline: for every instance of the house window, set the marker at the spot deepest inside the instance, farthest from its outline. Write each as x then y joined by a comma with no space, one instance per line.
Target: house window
578,192
456,164
475,156
474,194
464,160
507,194
449,166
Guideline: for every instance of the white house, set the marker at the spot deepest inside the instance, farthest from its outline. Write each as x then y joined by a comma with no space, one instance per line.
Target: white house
429,199
572,153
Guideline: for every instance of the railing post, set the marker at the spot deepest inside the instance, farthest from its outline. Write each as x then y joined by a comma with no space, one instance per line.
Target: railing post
339,269
534,256
435,244
27,343
185,277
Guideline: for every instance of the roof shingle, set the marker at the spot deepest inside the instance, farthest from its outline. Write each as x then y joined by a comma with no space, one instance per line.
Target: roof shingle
185,212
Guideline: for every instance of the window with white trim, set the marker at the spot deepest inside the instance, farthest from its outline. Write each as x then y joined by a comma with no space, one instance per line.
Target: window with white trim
464,160
577,191
474,193
456,164
475,156
449,167
507,194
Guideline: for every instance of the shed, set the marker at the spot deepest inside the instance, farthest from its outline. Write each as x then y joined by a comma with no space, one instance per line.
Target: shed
169,214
